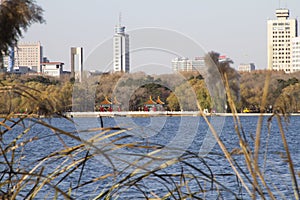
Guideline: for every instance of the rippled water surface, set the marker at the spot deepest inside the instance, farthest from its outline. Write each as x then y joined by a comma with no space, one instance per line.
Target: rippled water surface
181,132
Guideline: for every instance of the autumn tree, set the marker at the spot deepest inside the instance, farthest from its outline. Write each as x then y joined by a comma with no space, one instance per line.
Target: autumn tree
15,18
218,72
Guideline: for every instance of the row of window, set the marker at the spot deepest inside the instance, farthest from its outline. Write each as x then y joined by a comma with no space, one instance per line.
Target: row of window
281,57
281,40
281,32
281,45
281,49
281,28
281,53
26,56
281,36
281,24
281,67
282,61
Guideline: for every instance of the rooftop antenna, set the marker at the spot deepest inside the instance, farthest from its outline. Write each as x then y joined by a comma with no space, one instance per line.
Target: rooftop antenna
120,18
279,2
285,3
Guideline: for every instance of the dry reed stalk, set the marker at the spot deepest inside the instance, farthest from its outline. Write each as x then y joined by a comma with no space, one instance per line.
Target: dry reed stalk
289,159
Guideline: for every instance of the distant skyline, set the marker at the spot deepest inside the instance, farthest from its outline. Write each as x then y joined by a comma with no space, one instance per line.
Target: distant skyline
234,28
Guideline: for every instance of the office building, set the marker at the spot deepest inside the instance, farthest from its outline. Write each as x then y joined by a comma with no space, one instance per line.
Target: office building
296,54
121,62
246,67
52,68
182,64
25,55
280,34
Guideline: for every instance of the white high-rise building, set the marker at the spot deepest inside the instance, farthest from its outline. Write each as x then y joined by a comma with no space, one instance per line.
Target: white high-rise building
121,62
296,54
280,33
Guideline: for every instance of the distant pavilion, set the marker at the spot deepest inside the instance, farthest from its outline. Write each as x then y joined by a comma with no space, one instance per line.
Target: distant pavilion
160,104
152,105
106,105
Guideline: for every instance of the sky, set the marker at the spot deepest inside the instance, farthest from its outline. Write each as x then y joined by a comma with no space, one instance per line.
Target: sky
235,28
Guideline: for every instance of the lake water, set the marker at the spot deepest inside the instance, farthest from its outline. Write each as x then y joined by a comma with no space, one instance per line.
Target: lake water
170,134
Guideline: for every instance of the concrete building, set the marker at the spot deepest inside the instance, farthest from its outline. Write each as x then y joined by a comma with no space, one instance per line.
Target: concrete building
52,68
79,52
20,70
121,62
25,55
187,65
11,59
246,67
198,64
182,64
296,54
280,33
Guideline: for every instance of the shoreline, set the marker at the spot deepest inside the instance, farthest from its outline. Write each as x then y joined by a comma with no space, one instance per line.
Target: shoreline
162,113
147,114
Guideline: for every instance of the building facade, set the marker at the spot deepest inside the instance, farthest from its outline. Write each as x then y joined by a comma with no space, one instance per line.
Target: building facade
246,67
182,64
77,51
52,68
296,54
121,57
25,55
280,34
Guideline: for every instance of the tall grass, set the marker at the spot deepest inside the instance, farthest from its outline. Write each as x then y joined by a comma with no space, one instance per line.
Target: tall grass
65,172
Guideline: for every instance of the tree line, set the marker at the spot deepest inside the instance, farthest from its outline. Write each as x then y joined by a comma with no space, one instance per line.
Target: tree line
37,94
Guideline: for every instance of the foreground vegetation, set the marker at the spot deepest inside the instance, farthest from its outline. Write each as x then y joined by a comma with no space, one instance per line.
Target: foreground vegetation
65,172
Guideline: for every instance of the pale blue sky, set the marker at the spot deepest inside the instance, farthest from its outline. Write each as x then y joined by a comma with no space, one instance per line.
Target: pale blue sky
236,28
